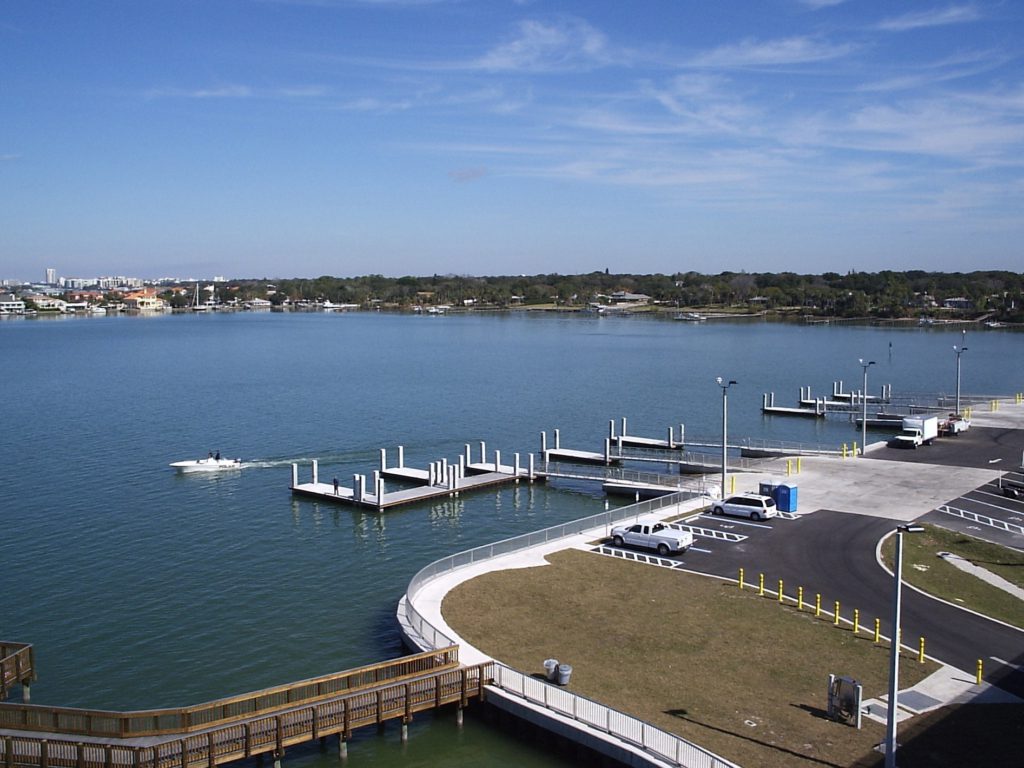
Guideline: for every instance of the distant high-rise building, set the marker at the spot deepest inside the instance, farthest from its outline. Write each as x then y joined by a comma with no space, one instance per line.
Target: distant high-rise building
51,276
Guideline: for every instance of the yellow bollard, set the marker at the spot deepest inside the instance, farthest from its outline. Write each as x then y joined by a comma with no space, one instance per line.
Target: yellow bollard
854,449
977,677
799,464
789,467
920,651
780,590
760,585
741,578
732,483
800,598
856,620
878,630
844,450
835,615
817,605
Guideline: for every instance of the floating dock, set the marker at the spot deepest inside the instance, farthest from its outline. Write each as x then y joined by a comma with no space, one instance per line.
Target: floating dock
623,440
558,453
441,479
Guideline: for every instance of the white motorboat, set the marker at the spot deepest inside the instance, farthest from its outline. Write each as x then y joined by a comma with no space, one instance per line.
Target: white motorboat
209,464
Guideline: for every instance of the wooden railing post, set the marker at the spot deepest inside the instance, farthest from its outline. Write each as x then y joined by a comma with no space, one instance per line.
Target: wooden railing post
248,740
108,756
44,754
346,720
9,752
407,716
463,697
279,738
315,719
211,749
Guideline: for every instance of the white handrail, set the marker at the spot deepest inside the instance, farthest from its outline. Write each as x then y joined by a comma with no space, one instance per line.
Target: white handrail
628,729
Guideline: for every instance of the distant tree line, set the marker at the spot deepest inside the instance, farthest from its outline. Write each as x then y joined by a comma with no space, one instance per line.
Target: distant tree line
883,294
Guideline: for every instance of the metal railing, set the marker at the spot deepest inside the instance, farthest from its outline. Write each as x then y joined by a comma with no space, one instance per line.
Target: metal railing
992,522
624,727
583,472
627,728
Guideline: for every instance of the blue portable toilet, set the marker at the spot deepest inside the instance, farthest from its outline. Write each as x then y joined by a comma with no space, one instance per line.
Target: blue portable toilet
768,488
785,497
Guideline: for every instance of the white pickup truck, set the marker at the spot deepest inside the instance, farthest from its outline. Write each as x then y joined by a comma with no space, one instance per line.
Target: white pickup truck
652,535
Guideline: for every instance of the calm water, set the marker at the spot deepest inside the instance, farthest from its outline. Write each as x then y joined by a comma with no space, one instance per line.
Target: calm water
140,587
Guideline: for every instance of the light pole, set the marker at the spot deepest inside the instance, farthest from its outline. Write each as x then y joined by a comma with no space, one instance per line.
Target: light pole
894,646
959,351
725,430
864,399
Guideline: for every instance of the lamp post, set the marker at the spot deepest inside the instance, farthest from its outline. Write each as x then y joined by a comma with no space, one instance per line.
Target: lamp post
894,646
959,351
864,399
725,430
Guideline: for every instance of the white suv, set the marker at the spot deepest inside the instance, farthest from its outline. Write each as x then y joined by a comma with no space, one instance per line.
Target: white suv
751,505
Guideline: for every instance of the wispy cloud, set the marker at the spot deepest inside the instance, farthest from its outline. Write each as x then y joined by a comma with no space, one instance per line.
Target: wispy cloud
772,53
954,14
569,44
237,91
463,175
816,5
8,158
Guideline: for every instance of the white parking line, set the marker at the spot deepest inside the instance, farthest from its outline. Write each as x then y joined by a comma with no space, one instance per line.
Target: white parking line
997,660
737,521
705,551
988,504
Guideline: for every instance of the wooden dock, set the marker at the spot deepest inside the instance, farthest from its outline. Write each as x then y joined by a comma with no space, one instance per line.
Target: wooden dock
240,727
17,667
440,479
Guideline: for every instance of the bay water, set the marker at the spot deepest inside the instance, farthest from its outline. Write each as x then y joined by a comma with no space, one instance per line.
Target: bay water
140,587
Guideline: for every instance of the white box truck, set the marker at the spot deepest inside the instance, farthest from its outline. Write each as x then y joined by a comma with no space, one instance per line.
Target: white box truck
917,430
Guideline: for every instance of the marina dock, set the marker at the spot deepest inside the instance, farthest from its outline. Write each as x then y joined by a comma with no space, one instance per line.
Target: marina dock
439,480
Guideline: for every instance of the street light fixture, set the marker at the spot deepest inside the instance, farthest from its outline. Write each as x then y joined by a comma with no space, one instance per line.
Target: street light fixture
864,399
959,351
894,646
725,430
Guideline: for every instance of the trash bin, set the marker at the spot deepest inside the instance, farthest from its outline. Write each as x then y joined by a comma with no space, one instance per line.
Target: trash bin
785,498
551,669
564,673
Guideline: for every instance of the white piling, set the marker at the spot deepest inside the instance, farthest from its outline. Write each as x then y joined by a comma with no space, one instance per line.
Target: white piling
466,454
607,451
445,470
516,467
401,457
483,452
342,748
378,485
543,442
611,428
682,434
497,460
295,475
314,471
383,459
532,475
557,440
462,466
357,491
671,441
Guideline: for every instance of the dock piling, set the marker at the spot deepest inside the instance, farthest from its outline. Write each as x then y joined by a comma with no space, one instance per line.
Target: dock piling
557,440
532,475
483,452
607,451
295,475
624,433
383,459
401,457
543,443
611,429
315,470
497,460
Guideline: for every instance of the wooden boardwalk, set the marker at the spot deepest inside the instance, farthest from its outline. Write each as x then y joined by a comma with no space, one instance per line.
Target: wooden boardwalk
17,666
236,728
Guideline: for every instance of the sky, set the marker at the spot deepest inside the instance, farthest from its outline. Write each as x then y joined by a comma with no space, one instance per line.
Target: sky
298,138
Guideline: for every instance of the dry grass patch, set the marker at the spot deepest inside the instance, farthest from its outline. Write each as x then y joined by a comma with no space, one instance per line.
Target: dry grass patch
739,674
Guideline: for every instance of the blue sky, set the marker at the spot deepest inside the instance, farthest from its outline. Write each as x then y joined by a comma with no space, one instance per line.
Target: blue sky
288,138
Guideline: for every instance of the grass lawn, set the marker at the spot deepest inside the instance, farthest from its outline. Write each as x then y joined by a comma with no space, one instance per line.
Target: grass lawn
923,568
741,675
